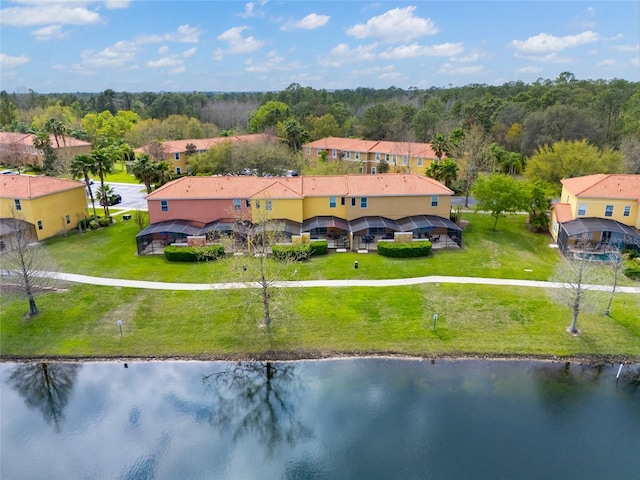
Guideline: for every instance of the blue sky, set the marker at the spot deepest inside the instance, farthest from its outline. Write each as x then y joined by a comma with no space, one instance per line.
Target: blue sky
139,45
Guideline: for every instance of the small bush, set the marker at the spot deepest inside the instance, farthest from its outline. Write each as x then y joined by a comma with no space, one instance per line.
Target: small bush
105,222
631,268
421,248
319,247
193,254
291,252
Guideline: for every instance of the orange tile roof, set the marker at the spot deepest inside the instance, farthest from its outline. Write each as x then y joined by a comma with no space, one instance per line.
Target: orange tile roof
412,149
562,212
178,146
31,186
604,185
26,139
298,187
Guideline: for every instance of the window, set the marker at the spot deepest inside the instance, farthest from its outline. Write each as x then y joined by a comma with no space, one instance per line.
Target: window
627,210
332,202
386,157
334,153
377,157
348,155
39,224
608,211
319,151
353,202
308,151
247,203
405,160
357,155
178,170
258,204
67,219
164,205
237,204
17,202
582,209
188,168
373,170
176,156
419,161
434,200
268,205
555,227
342,201
394,161
363,202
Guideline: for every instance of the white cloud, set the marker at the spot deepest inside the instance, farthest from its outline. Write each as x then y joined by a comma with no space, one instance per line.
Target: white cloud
415,50
117,56
238,43
627,48
189,53
274,62
183,34
48,13
178,70
310,22
176,60
52,32
8,61
341,54
526,70
393,26
545,42
608,62
116,4
550,58
450,69
635,61
250,9
472,57
163,50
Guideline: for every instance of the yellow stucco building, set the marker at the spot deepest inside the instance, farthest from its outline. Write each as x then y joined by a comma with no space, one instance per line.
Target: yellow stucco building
51,205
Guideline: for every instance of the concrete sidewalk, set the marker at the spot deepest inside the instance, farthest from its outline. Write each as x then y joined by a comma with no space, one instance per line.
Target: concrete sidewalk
117,282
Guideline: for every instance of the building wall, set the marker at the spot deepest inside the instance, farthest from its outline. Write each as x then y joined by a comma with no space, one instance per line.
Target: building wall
596,208
51,210
177,163
320,206
398,207
196,210
289,209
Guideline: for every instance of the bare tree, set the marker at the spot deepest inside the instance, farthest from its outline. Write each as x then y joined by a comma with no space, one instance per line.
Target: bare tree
615,267
578,277
24,262
473,157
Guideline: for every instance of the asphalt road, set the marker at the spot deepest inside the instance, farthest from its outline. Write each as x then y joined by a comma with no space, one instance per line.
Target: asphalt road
132,195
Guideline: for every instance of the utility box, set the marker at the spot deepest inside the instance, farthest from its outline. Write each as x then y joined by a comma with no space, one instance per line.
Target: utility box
197,241
402,237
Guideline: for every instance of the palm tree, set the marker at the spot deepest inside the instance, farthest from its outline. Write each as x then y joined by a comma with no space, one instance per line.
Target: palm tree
42,142
448,172
57,129
145,170
440,144
81,166
103,165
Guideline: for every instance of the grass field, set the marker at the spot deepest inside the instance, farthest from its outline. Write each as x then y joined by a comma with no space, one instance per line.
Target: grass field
81,320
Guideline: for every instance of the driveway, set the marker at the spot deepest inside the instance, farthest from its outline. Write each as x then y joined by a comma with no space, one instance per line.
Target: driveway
132,195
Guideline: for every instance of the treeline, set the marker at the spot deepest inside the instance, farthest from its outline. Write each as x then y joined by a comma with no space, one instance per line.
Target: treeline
517,115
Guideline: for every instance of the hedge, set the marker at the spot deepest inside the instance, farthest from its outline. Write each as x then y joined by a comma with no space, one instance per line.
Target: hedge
420,248
291,252
173,253
632,268
319,247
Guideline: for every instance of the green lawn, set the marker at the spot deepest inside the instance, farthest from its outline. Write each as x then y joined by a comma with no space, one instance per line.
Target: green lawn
485,320
472,320
511,252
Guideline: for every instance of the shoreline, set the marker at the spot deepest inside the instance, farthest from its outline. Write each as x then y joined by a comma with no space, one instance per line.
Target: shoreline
291,356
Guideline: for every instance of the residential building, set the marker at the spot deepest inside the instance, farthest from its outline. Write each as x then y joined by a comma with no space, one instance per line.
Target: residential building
16,149
50,205
175,152
597,212
344,209
402,157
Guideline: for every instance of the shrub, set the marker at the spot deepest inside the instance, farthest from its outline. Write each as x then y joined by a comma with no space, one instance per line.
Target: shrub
291,252
421,248
319,247
632,268
193,254
105,222
539,223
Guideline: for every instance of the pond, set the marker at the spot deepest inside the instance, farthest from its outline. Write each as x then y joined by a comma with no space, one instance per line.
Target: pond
373,418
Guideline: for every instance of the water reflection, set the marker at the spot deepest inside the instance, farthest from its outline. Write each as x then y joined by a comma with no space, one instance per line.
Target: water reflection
45,387
257,399
145,467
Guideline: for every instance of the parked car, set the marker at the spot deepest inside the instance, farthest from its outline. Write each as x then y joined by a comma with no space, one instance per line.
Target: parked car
112,200
8,172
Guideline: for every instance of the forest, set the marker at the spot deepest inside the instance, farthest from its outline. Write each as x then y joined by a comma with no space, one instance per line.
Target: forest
514,123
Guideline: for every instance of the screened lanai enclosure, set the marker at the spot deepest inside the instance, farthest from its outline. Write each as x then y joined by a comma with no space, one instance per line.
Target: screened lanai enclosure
357,234
596,236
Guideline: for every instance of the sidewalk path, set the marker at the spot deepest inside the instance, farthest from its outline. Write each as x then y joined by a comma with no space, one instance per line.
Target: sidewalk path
118,282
